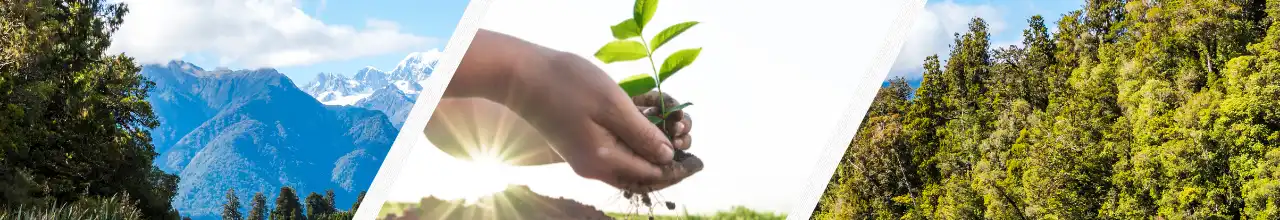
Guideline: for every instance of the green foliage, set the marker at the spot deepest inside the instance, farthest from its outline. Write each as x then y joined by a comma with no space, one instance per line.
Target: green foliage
287,206
1128,110
638,84
74,121
677,61
105,208
258,207
625,30
231,209
669,33
735,213
643,12
318,205
359,198
624,49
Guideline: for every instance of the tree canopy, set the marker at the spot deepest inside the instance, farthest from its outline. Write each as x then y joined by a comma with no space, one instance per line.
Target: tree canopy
1128,110
74,120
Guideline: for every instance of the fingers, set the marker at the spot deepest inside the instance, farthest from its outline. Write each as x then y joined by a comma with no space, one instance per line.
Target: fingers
678,124
639,134
671,175
612,162
683,142
684,125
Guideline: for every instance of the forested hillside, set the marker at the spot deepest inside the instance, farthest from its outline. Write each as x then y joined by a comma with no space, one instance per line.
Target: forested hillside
1127,110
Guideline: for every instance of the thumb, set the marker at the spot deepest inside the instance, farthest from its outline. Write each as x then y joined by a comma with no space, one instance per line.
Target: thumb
639,134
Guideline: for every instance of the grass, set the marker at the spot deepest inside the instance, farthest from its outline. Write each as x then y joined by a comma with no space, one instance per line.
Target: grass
736,213
108,208
395,207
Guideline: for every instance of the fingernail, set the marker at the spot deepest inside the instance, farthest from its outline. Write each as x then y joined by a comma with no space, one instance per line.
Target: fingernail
668,151
680,127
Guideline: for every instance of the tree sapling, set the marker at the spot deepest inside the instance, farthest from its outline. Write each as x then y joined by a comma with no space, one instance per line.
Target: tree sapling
625,47
630,44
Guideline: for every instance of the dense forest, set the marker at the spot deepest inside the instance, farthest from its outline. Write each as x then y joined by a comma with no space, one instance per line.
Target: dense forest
1128,110
73,119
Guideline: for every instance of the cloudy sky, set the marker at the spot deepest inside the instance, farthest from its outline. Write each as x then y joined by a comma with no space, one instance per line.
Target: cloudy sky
934,29
298,37
768,95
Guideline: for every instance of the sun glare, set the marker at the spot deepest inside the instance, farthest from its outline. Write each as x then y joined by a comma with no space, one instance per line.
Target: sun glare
483,175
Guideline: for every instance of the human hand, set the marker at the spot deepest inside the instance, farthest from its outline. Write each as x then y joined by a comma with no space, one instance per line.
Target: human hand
677,126
462,127
595,127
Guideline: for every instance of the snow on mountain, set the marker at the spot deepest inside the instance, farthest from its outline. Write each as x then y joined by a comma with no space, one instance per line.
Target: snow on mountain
408,76
390,101
256,131
417,66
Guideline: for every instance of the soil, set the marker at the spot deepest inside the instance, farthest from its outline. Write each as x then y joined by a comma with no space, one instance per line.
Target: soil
683,159
648,104
516,202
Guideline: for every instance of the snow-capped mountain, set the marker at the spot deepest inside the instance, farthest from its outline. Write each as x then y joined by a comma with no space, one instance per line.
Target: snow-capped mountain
417,66
408,76
335,88
256,131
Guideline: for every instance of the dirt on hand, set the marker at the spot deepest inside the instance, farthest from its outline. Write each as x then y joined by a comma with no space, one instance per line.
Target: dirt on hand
686,164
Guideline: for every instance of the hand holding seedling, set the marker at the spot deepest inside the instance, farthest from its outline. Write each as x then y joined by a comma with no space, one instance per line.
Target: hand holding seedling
630,44
589,122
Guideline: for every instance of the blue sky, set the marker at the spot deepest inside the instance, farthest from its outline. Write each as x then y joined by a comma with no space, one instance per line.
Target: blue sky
432,18
933,31
298,37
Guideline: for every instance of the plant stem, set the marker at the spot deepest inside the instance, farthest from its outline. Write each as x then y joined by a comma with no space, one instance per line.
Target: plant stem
657,82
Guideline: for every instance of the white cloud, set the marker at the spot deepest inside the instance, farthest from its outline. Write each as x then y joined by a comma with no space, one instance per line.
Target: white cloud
934,32
250,34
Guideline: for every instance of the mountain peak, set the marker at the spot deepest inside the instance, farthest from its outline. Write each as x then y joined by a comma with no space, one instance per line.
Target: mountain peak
323,76
416,66
184,65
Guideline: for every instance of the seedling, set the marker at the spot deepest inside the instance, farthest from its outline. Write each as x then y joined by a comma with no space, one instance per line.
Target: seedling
630,44
625,47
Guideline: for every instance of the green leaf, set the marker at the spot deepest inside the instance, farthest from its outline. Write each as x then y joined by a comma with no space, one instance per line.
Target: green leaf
621,50
674,109
654,119
668,34
677,61
643,11
637,84
625,30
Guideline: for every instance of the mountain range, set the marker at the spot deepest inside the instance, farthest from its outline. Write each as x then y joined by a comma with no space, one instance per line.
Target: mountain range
391,92
256,130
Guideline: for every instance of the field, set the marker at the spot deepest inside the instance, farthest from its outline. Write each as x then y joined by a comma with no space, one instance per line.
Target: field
519,202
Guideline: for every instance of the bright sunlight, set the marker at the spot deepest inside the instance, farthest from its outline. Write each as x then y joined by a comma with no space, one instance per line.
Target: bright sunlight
485,174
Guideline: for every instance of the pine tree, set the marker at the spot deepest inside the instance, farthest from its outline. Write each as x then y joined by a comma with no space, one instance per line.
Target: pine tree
359,199
287,206
258,207
231,209
330,198
318,206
